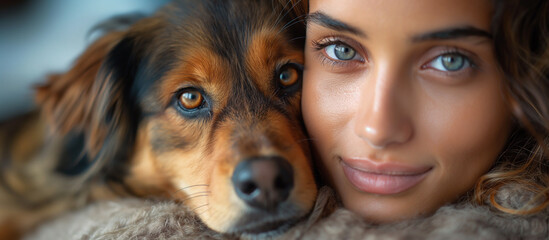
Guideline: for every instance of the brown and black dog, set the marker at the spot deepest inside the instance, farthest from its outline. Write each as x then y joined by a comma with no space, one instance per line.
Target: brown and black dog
199,103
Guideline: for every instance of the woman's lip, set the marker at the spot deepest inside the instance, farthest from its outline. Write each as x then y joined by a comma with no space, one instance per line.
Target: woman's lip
382,178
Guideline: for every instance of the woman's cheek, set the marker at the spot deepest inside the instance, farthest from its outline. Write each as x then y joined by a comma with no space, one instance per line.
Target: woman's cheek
327,103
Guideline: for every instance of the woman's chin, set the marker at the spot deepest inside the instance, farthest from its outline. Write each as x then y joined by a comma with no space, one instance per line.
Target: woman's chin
379,209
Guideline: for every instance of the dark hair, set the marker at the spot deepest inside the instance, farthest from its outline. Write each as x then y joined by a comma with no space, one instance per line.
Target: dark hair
521,38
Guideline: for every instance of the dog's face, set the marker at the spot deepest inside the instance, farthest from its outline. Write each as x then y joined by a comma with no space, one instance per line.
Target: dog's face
204,100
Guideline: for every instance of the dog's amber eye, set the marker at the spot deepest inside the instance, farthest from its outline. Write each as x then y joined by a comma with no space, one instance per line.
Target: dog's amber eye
288,76
191,99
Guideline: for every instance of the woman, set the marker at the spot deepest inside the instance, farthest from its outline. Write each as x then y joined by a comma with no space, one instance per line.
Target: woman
415,104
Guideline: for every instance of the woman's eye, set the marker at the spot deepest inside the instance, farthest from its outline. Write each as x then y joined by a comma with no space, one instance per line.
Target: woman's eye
450,62
340,52
191,99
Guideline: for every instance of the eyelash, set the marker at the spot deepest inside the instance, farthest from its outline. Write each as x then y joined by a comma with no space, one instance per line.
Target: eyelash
321,45
469,61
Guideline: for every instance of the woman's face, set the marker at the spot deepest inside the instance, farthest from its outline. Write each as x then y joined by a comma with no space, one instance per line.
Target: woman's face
403,101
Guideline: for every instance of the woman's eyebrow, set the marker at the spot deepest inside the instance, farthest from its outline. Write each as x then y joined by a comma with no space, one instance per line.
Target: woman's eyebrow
452,33
324,20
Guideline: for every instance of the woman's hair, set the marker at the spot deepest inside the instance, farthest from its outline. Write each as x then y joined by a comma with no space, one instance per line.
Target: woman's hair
520,31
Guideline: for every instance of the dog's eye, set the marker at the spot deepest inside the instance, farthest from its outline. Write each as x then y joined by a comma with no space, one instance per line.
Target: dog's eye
192,103
191,99
288,76
288,79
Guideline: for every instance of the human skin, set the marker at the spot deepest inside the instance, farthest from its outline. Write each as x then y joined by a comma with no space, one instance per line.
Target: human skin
403,101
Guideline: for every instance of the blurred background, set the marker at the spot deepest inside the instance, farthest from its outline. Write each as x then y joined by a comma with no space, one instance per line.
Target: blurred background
38,37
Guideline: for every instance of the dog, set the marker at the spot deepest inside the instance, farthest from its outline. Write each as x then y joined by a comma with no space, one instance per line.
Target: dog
198,103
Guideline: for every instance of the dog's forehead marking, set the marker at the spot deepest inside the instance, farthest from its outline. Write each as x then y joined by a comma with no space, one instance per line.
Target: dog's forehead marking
199,68
268,50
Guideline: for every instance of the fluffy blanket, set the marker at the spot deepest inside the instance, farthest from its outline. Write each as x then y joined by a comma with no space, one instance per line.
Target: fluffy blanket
146,219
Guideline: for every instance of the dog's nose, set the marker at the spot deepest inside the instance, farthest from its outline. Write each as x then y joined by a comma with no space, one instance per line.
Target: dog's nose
263,182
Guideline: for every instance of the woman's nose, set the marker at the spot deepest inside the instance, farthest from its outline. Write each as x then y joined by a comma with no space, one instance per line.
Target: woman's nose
384,113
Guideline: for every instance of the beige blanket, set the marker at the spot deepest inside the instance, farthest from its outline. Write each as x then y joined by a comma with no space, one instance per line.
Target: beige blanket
146,219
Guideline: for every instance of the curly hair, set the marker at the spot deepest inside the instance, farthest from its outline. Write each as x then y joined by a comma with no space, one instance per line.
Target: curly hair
521,39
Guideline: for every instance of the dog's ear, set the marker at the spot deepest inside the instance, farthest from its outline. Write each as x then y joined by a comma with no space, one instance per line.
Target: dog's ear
93,98
113,111
64,97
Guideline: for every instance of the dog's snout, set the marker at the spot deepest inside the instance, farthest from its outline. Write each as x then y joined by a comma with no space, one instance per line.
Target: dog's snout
263,182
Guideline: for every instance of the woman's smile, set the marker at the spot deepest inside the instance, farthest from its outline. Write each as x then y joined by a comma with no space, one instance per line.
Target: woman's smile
382,177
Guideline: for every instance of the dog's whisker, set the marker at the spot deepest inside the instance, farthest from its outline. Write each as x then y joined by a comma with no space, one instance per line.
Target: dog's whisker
297,38
295,4
196,185
202,215
202,192
188,187
196,195
201,206
287,11
291,23
189,198
203,210
279,17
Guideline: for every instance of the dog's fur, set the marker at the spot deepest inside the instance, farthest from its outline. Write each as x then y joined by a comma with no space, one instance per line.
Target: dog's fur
114,124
